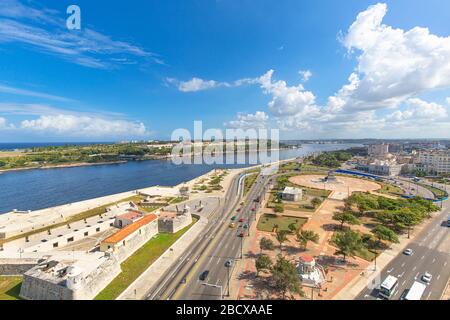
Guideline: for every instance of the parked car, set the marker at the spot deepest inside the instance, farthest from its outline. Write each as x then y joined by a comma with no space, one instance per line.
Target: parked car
241,220
427,277
228,263
241,235
204,275
245,226
232,225
233,218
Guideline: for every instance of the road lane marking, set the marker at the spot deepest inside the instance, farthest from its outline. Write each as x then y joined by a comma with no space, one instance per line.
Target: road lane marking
415,278
403,264
434,260
403,283
401,275
429,295
389,271
423,257
414,269
438,277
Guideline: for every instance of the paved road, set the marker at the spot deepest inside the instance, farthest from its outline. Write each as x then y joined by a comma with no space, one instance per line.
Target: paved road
169,285
226,245
431,254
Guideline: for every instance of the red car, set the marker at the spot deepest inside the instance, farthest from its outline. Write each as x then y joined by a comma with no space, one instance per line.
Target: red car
238,210
241,235
253,209
241,220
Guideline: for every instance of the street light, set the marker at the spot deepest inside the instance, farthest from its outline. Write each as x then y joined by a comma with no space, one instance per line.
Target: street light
215,286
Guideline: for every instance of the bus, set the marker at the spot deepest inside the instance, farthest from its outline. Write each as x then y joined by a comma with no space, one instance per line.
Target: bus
416,291
389,287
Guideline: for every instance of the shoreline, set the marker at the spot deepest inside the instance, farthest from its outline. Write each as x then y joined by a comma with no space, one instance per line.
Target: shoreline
87,164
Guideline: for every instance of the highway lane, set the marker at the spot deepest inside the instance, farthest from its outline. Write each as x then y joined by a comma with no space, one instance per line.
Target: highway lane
173,279
431,253
226,245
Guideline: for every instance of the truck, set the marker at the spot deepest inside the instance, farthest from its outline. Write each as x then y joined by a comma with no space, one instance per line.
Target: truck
416,291
389,287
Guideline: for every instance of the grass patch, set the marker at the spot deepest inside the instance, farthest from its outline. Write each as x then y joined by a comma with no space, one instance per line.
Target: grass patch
267,222
139,261
10,287
387,188
249,181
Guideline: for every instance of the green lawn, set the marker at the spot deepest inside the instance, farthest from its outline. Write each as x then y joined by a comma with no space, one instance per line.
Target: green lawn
249,181
267,222
10,287
137,263
390,189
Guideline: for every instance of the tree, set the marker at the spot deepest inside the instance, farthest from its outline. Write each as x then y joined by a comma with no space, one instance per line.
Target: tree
384,233
279,208
263,263
285,277
292,227
266,244
406,219
348,243
305,236
316,202
345,217
282,237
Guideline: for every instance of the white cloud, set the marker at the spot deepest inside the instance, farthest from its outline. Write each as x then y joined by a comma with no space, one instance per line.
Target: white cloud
448,101
305,75
196,84
257,120
286,100
44,30
84,126
5,125
418,109
23,92
393,64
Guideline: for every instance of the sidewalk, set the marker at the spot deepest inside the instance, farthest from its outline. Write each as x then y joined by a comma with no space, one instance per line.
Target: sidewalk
145,282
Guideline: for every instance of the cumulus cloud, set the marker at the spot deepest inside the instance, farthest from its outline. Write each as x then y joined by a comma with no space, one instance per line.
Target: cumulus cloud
418,109
393,64
84,126
257,120
305,75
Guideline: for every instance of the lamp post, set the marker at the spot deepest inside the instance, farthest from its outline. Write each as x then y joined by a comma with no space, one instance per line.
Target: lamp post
215,286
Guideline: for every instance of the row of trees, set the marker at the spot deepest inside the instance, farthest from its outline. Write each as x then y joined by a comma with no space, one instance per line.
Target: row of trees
393,216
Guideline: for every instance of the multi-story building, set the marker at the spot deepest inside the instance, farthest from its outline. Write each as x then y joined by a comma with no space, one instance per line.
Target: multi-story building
378,151
382,168
434,162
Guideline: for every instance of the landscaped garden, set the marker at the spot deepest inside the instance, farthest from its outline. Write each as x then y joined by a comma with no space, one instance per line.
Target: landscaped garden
274,223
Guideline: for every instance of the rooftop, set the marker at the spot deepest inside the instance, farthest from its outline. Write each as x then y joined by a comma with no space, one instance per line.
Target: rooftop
125,232
131,215
291,190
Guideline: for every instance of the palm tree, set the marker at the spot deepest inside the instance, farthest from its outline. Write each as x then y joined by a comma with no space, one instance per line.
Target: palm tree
305,236
282,237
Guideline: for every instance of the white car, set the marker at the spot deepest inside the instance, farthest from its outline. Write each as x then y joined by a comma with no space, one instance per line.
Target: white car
427,277
408,252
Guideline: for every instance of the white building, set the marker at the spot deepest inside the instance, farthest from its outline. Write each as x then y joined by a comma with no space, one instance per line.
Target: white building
292,194
382,168
434,162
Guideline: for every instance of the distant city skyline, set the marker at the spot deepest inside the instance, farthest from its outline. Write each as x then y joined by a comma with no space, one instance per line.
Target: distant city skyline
137,71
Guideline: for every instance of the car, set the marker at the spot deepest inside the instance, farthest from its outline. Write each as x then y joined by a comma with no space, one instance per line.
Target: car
408,252
183,281
238,210
241,235
245,226
228,263
241,220
232,225
233,218
253,209
204,275
427,277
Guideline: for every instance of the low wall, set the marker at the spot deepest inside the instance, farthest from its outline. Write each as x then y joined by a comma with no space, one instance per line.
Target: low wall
13,267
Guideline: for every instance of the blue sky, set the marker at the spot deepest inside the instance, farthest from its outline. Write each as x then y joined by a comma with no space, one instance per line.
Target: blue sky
140,69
